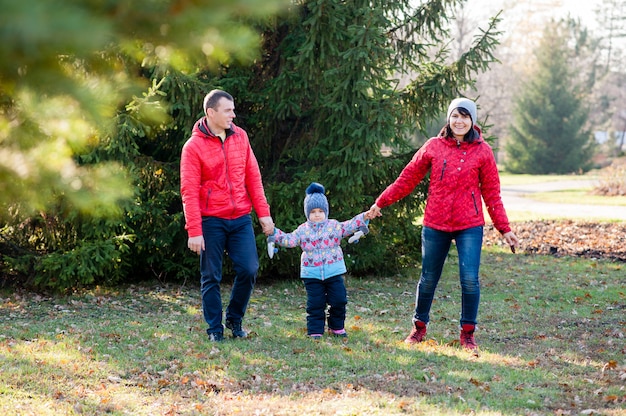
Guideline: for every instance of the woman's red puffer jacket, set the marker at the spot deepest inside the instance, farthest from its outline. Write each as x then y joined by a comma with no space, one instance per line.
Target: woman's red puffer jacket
462,176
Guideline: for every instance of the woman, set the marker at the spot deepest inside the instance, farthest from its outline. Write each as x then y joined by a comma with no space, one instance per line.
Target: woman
462,171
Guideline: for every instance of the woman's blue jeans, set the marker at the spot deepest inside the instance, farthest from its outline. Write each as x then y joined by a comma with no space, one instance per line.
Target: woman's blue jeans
435,247
236,239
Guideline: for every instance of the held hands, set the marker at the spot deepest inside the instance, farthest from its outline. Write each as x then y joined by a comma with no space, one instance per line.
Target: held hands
373,212
267,224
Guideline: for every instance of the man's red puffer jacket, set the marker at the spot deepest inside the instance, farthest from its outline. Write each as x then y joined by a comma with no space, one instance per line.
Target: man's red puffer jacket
219,179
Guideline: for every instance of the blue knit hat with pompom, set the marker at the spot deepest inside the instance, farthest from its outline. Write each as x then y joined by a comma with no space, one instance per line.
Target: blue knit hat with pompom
315,198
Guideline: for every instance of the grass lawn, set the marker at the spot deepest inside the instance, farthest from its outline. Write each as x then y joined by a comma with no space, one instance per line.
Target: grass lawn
551,341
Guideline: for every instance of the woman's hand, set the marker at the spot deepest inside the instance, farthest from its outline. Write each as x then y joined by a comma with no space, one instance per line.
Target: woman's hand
374,212
512,240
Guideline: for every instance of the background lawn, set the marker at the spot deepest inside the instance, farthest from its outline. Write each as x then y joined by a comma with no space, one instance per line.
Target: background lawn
551,341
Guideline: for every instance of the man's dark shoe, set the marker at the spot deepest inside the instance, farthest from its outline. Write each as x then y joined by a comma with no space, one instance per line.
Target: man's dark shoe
238,332
216,337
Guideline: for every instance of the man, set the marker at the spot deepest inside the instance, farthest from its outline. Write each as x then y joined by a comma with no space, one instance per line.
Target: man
220,182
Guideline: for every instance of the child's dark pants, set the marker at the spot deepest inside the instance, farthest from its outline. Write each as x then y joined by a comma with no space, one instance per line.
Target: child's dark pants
332,292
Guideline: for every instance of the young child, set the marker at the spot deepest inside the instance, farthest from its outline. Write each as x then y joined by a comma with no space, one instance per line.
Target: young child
322,266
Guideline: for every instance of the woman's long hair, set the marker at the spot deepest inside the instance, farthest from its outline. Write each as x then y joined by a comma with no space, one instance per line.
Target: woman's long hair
470,136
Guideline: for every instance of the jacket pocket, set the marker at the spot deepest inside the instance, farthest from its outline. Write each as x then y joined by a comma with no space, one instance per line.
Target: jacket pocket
475,204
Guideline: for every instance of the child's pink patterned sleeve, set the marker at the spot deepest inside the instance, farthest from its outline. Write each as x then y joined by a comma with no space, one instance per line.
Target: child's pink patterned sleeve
351,226
287,240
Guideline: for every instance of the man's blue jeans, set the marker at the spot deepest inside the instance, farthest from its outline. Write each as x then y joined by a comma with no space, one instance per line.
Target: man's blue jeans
435,247
236,238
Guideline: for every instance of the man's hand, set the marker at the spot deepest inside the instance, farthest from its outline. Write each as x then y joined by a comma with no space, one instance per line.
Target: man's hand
267,224
196,244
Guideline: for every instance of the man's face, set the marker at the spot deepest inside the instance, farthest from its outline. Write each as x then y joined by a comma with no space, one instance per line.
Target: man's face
223,114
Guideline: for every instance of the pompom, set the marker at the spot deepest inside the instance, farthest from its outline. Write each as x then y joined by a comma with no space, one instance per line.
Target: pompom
315,198
315,188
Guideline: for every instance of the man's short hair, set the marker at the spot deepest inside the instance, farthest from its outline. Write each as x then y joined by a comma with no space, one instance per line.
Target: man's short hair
212,98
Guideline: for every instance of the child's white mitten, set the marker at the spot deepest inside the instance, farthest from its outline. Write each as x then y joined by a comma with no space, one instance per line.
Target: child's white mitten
363,229
271,250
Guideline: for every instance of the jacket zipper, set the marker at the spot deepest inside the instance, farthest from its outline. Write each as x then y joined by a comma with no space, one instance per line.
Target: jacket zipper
230,183
443,169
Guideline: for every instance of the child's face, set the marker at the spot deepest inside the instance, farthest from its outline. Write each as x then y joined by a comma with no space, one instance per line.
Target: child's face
317,215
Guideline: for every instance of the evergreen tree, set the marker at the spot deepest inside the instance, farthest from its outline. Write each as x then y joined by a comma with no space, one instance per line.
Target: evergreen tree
327,95
548,133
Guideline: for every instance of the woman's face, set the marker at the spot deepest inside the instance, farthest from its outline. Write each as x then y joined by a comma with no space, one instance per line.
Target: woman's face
460,124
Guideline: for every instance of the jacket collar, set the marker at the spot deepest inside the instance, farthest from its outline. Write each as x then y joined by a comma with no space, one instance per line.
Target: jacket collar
203,127
316,225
